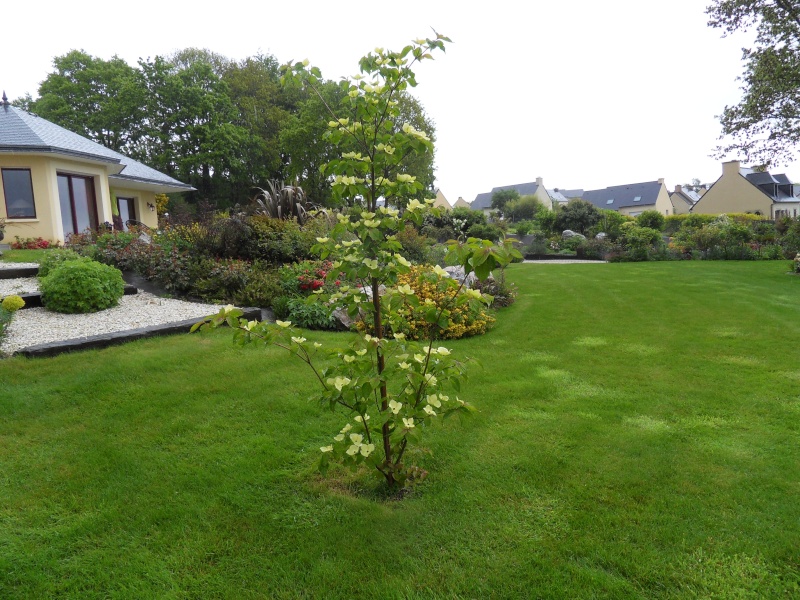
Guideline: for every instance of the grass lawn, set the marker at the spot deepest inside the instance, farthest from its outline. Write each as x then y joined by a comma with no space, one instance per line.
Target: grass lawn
637,438
17,256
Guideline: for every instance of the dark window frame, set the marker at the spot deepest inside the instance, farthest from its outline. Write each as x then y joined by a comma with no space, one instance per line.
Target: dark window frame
5,195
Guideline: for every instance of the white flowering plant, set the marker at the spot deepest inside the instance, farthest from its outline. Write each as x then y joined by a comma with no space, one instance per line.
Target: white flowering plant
390,387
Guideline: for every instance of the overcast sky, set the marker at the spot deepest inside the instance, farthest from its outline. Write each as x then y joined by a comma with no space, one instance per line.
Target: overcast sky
584,94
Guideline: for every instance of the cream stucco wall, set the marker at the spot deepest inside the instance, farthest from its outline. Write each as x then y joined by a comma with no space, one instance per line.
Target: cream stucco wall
633,211
679,205
441,201
663,203
732,193
141,199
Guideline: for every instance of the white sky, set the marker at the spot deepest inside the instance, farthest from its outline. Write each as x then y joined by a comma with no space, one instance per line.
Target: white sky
584,94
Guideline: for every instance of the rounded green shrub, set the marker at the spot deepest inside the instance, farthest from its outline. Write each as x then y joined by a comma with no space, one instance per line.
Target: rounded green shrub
12,303
81,287
55,258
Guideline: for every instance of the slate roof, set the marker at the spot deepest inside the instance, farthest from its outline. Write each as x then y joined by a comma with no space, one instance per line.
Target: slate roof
688,196
22,132
777,187
484,200
623,196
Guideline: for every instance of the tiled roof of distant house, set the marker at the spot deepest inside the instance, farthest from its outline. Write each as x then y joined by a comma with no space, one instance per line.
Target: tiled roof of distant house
622,196
484,200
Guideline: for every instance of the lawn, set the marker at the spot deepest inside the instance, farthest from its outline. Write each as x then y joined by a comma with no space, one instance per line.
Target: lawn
637,438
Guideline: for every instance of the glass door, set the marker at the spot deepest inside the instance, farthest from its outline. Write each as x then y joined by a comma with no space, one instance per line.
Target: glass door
78,204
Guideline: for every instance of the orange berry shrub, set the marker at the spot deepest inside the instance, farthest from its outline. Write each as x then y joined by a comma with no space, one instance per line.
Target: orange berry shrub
390,387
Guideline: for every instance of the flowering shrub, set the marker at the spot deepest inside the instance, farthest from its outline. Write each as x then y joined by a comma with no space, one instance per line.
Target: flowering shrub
31,243
303,278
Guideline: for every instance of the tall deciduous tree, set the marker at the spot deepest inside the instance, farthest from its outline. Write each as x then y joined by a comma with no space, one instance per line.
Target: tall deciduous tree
764,128
102,100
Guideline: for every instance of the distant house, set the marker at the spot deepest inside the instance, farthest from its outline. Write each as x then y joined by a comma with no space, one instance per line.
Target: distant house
461,203
632,199
683,200
562,196
55,182
441,201
535,188
744,190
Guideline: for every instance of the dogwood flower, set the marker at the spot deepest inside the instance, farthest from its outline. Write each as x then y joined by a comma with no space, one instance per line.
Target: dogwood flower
317,345
346,428
338,382
283,324
443,351
298,340
395,406
473,294
405,289
433,400
406,178
348,358
250,325
339,437
360,419
404,365
414,205
322,240
420,358
429,410
430,379
326,448
361,352
402,260
228,308
439,271
409,422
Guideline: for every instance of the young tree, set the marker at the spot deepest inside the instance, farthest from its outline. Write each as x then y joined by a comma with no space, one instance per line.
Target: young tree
764,128
503,197
577,215
391,386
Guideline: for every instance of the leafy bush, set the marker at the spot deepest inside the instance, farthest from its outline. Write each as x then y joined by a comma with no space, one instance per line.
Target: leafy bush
651,219
81,287
310,315
12,303
261,289
485,232
502,292
283,241
415,245
226,237
577,215
280,307
524,227
55,258
538,245
5,320
222,279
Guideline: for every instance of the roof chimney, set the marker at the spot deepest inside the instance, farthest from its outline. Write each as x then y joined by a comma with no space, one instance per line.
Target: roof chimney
661,181
5,101
539,181
732,167
678,189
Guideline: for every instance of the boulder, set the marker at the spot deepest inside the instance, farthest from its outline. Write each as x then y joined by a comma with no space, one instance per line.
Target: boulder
568,233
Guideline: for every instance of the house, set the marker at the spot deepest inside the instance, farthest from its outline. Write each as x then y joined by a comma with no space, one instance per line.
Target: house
562,196
441,201
744,190
461,203
55,182
535,188
683,200
632,199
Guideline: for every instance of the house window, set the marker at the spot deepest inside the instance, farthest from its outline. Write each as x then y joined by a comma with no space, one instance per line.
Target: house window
637,198
610,201
78,204
18,189
127,210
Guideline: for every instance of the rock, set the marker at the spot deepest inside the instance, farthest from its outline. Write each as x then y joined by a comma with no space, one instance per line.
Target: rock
568,233
601,236
457,273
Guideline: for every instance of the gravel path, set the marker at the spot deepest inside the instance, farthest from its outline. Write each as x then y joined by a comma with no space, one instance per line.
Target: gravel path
13,265
22,285
33,326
